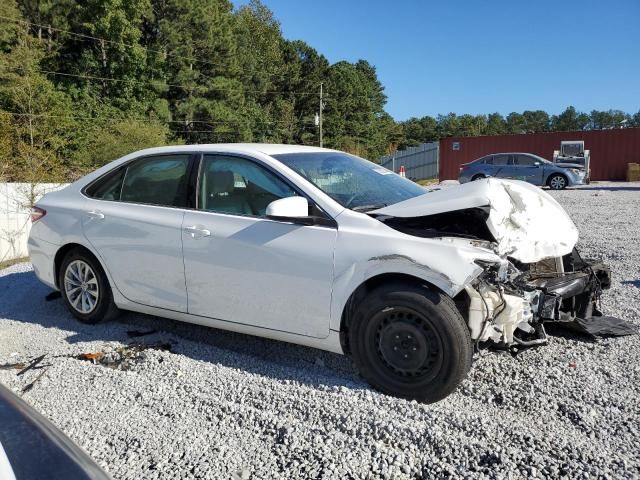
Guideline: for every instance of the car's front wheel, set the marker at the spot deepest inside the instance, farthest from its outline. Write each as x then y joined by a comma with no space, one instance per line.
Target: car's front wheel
410,341
557,182
85,288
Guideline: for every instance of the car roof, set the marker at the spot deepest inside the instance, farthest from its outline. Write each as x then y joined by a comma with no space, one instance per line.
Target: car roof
265,148
512,153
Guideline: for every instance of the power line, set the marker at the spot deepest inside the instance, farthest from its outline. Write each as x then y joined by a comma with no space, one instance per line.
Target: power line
113,42
158,83
205,122
84,36
128,45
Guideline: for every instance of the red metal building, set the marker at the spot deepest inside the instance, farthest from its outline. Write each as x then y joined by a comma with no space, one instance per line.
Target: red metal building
611,150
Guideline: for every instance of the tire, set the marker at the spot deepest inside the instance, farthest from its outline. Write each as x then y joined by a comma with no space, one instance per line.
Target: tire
410,341
81,275
557,181
477,177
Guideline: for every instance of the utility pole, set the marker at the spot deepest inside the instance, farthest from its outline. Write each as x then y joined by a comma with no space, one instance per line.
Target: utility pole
320,114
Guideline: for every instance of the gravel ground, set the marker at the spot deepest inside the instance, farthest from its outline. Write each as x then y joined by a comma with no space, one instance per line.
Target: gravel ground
224,405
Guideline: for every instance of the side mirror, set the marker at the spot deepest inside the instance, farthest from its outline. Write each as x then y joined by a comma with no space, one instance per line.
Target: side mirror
292,209
537,164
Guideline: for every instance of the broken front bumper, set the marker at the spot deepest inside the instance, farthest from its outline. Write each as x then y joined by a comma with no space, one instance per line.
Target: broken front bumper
509,309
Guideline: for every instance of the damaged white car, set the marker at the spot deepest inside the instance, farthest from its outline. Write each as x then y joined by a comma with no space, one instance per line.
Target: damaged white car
320,248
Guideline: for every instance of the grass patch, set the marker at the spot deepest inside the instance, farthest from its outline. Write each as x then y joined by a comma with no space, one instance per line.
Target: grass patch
427,182
8,263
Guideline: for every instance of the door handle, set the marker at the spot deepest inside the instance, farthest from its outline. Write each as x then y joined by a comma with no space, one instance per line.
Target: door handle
96,214
197,232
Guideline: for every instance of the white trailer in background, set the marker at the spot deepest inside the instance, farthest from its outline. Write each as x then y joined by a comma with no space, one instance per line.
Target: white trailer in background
573,154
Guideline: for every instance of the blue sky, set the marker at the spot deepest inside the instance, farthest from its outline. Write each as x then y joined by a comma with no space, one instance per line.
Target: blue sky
481,56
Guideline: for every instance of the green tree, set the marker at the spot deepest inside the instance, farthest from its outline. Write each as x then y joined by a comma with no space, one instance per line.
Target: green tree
202,68
535,121
355,105
515,123
608,119
105,143
496,124
42,127
569,120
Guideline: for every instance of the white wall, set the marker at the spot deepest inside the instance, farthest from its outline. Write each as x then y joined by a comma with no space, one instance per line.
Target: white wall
15,204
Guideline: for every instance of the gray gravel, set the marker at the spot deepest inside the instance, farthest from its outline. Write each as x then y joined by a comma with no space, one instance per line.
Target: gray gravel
224,405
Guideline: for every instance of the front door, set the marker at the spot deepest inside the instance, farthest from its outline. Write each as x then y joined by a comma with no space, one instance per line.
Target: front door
529,169
134,220
243,267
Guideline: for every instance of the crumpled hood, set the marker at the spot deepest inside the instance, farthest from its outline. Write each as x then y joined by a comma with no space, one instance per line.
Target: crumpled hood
527,223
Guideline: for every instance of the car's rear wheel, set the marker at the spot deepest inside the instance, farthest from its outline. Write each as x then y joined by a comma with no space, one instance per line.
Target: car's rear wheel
85,288
410,341
557,182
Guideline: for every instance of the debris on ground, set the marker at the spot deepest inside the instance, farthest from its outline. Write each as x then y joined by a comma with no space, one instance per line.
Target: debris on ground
123,358
34,364
603,326
13,366
30,385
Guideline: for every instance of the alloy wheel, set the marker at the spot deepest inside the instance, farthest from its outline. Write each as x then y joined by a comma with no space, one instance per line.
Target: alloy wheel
558,182
81,286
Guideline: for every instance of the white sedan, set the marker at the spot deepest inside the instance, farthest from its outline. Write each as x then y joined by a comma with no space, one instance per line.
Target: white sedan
320,248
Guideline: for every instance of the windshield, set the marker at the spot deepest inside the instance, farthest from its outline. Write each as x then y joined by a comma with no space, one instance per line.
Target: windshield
572,149
351,181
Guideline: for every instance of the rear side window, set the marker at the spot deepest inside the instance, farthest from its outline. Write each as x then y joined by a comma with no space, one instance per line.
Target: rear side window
157,180
108,187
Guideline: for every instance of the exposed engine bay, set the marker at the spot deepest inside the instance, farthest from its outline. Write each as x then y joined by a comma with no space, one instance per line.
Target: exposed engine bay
538,275
509,304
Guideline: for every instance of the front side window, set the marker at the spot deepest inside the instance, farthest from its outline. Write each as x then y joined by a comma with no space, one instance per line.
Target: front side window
501,159
238,186
526,160
158,180
351,181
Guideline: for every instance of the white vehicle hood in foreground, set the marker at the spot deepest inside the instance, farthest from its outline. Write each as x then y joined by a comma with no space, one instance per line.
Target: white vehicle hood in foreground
527,223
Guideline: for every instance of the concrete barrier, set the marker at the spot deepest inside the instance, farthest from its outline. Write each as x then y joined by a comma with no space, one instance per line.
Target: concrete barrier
16,200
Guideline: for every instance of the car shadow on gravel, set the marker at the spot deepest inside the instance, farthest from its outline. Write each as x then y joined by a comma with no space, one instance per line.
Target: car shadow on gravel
22,299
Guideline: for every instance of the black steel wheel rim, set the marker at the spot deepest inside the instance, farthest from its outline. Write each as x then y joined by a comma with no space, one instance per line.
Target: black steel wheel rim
407,344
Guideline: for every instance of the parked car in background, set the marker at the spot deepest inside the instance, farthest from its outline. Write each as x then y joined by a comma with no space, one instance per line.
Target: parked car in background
523,166
320,248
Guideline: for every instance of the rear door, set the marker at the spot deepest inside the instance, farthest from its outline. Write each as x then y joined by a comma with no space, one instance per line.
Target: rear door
246,268
133,219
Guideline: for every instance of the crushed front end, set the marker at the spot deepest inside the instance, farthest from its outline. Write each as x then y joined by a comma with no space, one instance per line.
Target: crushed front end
510,302
536,274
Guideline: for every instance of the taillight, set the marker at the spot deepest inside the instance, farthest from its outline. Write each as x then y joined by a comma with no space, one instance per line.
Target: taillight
37,213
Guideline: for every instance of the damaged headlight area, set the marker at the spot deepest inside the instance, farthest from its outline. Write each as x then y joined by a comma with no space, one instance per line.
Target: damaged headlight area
509,302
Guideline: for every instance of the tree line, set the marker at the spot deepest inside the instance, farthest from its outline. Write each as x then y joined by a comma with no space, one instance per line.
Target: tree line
84,82
429,129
